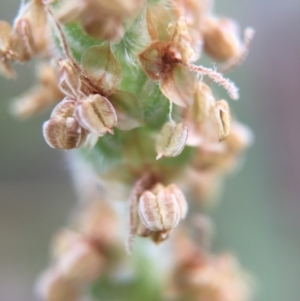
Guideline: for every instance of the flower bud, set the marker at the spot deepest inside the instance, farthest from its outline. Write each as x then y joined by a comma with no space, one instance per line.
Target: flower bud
64,133
96,114
171,140
221,113
63,130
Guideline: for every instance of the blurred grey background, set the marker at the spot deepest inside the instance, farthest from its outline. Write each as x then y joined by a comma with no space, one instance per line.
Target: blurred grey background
259,217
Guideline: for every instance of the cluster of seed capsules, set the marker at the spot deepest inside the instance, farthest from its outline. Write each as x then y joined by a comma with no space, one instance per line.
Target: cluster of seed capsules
162,41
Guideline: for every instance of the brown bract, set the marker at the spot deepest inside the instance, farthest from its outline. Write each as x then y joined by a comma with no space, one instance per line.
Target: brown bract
161,62
168,63
100,19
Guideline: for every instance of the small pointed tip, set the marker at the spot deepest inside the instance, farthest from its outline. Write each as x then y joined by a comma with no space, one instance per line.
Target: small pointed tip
235,96
110,131
159,156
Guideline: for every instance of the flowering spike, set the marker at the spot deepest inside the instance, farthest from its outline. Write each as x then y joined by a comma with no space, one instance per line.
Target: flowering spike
128,64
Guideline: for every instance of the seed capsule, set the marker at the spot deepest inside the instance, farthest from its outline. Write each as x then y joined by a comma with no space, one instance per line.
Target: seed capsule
62,130
171,140
96,114
64,133
203,100
161,209
159,213
221,113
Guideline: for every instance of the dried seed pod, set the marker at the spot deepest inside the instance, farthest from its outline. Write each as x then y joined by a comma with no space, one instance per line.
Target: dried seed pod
203,101
64,133
53,286
171,140
221,114
221,39
82,263
161,209
96,114
159,212
35,15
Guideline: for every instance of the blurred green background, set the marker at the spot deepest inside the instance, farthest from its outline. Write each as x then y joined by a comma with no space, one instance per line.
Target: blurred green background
259,216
